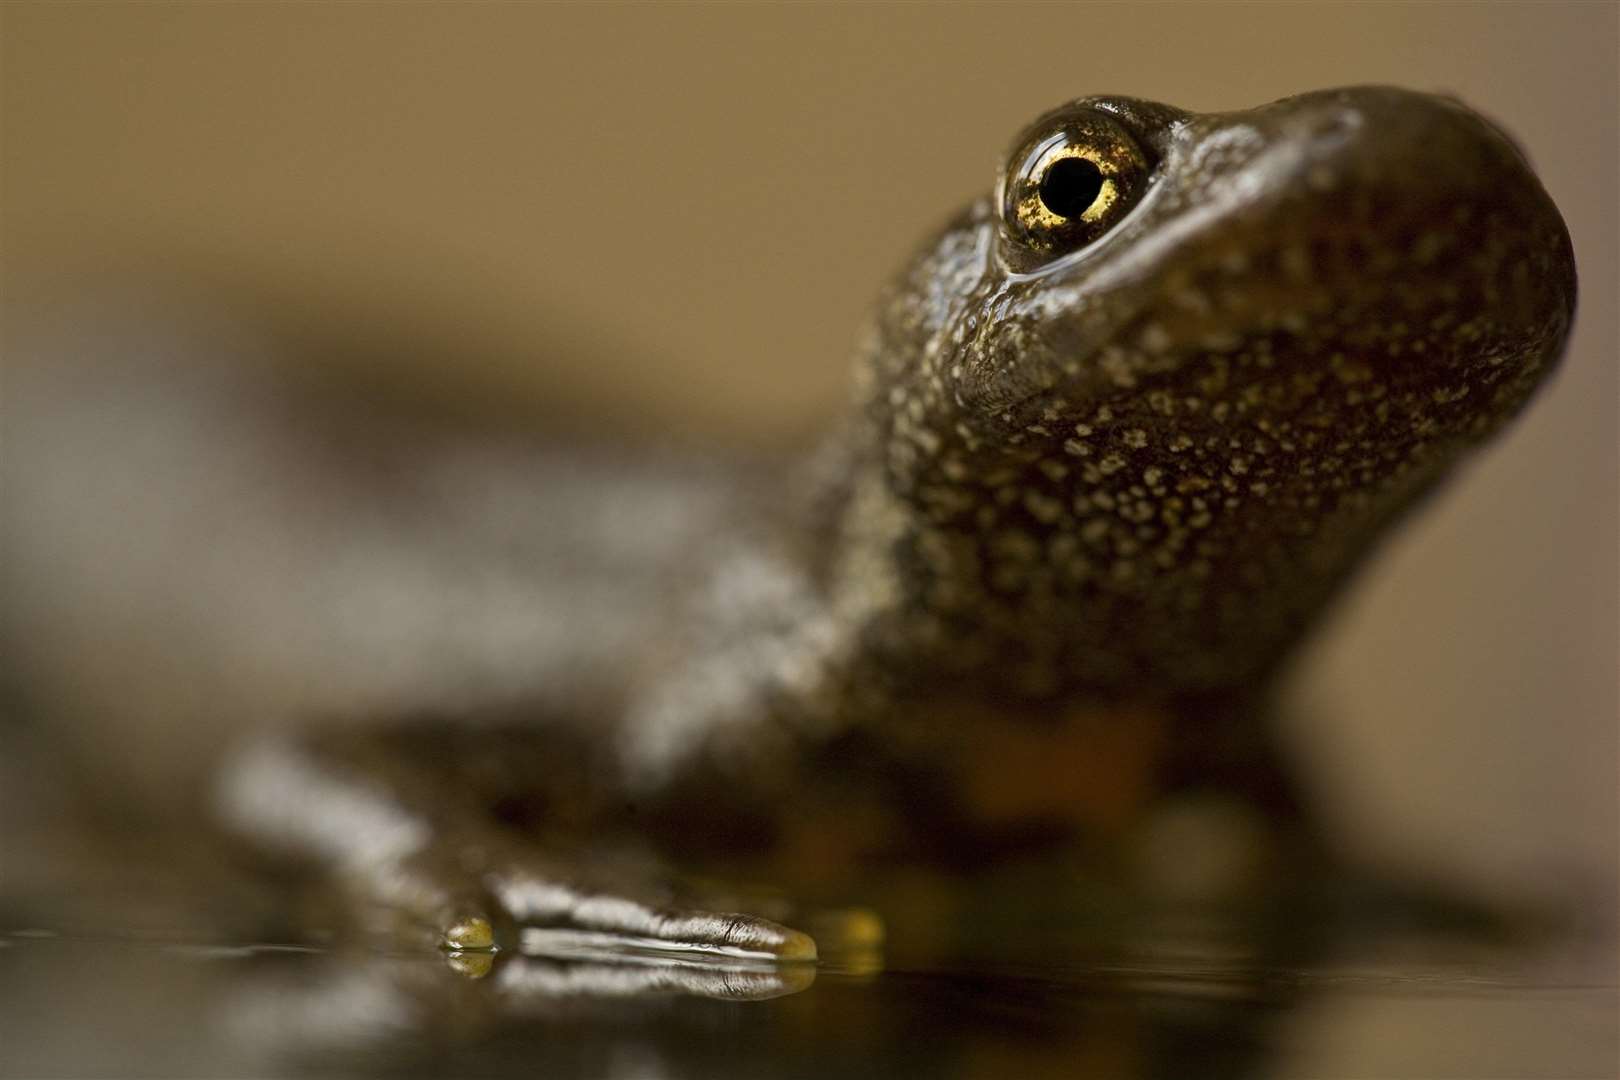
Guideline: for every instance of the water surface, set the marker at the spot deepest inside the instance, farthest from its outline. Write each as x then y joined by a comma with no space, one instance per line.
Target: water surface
1177,999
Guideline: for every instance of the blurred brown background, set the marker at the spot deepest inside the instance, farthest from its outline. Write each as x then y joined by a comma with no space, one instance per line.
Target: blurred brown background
683,211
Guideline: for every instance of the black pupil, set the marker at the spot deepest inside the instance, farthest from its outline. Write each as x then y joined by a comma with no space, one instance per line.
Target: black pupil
1070,186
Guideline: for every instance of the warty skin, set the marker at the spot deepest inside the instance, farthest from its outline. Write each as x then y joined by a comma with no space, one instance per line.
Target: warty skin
1146,465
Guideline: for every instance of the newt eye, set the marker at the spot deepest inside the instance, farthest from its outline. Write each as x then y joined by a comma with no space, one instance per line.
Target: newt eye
1071,178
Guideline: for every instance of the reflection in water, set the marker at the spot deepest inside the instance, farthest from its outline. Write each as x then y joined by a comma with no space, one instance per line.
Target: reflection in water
1181,997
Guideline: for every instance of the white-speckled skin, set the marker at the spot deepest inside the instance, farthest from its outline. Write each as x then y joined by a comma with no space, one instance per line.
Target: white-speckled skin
1144,466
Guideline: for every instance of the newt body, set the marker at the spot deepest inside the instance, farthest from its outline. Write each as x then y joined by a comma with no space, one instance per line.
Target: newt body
1123,428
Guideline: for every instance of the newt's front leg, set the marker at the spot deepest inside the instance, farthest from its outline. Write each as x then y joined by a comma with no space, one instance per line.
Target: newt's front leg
433,840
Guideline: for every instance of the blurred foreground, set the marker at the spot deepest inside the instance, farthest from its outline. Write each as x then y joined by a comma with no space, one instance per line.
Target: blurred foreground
137,991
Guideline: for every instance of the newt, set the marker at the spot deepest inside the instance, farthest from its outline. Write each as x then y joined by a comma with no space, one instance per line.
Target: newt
1121,431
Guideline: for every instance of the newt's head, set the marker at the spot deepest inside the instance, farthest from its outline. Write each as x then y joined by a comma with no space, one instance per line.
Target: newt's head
1145,407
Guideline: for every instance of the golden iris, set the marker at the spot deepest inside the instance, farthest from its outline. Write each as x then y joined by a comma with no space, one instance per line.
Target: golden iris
1070,179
